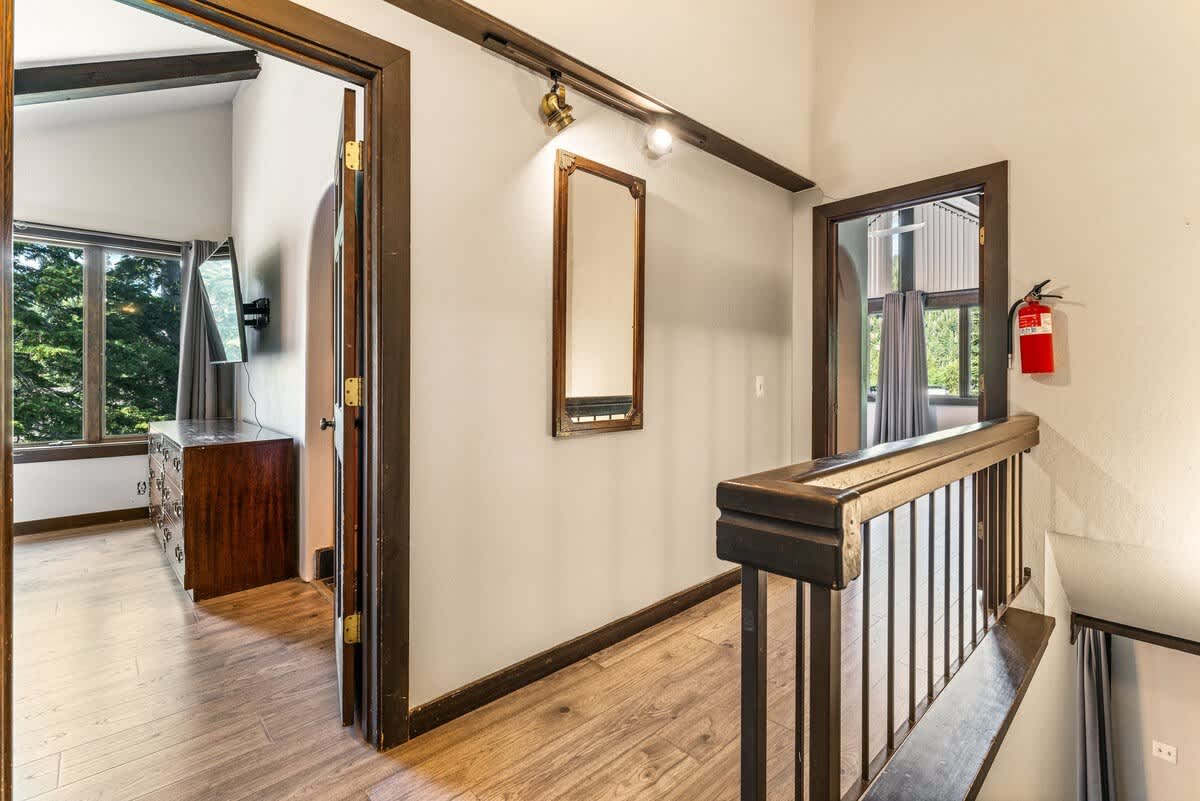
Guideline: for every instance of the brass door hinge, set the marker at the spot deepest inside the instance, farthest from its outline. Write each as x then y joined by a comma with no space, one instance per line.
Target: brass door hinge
353,396
352,629
982,234
354,156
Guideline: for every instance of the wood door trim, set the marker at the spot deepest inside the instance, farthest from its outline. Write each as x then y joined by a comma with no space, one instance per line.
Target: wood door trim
305,37
992,181
456,703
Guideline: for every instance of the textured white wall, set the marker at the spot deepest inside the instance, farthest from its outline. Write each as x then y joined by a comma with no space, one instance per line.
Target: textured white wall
108,165
1093,105
1155,697
557,537
285,135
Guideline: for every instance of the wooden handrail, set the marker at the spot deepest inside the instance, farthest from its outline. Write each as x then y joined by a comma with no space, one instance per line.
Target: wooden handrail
804,521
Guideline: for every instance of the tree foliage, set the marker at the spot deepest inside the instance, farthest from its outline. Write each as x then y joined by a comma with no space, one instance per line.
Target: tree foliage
941,349
141,346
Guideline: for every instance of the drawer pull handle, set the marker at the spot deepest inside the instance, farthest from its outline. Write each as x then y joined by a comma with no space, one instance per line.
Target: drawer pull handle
177,464
178,509
143,487
178,554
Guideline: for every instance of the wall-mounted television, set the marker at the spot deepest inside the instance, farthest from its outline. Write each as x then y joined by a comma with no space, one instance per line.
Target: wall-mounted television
227,317
223,305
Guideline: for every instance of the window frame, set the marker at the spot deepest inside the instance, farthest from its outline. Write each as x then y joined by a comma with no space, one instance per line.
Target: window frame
94,444
964,300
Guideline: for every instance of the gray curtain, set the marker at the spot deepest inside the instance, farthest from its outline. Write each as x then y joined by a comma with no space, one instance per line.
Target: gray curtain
205,390
902,397
1094,744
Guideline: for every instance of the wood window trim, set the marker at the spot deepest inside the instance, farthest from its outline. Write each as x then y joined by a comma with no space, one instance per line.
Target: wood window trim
308,38
94,246
992,182
113,447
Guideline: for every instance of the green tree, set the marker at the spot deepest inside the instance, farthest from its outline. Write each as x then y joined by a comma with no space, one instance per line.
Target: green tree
141,341
47,342
141,350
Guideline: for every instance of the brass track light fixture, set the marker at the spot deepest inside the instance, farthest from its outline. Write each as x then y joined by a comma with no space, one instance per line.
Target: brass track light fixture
554,108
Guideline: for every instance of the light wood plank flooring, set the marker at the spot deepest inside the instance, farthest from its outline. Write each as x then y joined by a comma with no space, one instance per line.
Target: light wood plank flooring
127,690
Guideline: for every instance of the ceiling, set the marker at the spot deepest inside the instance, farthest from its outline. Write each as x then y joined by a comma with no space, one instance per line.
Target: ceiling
73,31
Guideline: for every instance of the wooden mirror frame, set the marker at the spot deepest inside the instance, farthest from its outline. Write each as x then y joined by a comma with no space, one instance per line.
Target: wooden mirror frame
565,164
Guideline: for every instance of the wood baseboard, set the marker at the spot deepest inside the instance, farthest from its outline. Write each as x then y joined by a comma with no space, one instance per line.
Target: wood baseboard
479,693
80,521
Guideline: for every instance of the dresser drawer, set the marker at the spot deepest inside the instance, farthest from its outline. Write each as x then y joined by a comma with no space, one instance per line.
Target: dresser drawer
172,458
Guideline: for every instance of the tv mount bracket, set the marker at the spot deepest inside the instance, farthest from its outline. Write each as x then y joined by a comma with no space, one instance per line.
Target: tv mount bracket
257,314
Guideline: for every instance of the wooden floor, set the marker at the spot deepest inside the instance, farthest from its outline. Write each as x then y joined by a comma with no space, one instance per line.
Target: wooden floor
127,690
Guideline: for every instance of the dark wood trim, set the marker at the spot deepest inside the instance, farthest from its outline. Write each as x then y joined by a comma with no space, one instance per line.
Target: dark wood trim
80,521
6,400
562,423
306,37
33,85
955,299
970,718
455,704
32,454
483,29
93,343
1079,621
990,180
82,237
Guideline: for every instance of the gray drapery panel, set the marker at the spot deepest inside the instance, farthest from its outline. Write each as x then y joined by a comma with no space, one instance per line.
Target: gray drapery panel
902,399
1094,749
205,391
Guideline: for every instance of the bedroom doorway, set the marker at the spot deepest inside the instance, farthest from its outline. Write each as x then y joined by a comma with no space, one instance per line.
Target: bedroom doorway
302,37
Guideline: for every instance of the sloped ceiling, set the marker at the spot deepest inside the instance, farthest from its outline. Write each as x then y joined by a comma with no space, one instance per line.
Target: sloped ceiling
73,31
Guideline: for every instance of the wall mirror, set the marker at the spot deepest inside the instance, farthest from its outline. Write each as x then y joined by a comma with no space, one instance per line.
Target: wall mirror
599,256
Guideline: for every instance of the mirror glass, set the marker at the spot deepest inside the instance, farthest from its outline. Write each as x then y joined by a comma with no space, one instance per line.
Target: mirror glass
599,237
600,286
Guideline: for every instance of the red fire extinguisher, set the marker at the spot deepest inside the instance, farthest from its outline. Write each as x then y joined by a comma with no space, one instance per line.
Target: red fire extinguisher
1035,328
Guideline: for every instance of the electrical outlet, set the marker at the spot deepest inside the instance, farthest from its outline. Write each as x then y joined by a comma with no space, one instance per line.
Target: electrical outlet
760,386
1164,752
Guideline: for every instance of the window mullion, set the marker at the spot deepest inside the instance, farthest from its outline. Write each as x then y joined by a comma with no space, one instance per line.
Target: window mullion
964,351
93,343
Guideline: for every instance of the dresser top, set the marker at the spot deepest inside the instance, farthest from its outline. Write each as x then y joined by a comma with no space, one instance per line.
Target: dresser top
196,433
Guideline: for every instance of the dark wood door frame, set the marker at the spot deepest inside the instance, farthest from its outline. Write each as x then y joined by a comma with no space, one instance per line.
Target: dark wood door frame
992,182
302,36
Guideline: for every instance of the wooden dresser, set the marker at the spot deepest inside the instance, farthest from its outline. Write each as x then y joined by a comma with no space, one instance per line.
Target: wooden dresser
222,501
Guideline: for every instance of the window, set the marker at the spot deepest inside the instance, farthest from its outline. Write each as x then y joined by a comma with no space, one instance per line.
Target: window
95,335
952,364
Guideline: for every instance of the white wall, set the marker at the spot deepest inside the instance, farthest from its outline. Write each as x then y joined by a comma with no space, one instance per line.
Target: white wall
557,537
1155,697
111,165
1094,106
285,135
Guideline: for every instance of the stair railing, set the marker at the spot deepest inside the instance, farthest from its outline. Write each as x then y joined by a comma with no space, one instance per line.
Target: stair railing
816,523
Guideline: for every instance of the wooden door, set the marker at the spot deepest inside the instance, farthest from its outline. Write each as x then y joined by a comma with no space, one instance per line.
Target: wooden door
347,403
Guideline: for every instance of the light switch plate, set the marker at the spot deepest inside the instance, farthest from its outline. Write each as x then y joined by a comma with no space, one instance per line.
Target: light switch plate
760,386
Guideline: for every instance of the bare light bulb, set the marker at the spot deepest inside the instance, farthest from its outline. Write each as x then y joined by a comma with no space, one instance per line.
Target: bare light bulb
659,141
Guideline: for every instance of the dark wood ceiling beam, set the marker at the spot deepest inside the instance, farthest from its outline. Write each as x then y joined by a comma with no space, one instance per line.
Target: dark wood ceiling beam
103,78
482,28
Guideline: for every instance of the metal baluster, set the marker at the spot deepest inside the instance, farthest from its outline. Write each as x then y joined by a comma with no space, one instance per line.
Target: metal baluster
866,654
946,590
799,690
912,613
962,498
1021,516
987,546
825,695
891,637
754,685
929,606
